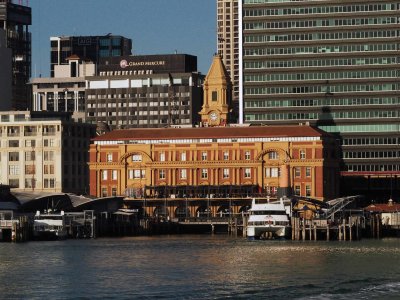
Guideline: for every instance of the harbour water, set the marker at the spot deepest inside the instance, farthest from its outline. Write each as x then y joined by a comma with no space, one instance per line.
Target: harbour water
200,267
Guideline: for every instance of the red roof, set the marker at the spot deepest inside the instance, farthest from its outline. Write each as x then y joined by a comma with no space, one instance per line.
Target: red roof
211,132
394,207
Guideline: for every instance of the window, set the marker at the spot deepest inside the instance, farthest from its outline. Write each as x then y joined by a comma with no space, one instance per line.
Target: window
30,156
302,154
109,157
162,156
247,155
204,173
13,143
49,155
137,157
48,169
13,183
183,156
30,169
297,190
308,171
273,155
48,143
114,175
272,172
308,191
13,156
247,173
104,175
297,172
49,183
226,173
204,155
161,174
30,143
13,170
226,155
183,173
104,192
136,174
214,96
114,192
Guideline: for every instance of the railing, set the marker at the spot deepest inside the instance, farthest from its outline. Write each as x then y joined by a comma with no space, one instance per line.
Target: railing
7,223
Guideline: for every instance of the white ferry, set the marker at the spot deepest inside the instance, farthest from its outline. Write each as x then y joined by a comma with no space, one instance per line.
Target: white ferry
269,220
49,226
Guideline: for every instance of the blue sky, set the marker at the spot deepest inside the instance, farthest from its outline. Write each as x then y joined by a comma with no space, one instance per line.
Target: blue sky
155,26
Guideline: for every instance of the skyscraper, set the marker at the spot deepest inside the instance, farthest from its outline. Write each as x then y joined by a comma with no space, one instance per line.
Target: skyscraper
87,47
15,20
334,64
228,43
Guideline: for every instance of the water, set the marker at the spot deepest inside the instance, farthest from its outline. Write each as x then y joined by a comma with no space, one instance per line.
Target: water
200,267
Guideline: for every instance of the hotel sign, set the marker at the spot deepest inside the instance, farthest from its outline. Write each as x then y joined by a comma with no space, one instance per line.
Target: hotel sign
124,63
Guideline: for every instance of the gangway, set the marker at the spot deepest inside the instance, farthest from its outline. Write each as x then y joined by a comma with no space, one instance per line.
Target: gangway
338,204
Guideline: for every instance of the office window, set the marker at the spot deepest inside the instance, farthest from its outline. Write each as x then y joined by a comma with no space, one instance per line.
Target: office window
302,154
30,156
104,175
247,173
308,191
109,157
308,171
272,172
104,192
297,190
48,155
48,169
30,169
13,156
114,175
297,172
214,96
13,170
204,173
114,192
273,155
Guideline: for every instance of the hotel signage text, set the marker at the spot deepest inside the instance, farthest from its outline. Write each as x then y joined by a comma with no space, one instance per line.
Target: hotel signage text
124,63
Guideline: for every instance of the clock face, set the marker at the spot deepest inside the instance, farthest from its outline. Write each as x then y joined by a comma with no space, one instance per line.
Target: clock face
213,116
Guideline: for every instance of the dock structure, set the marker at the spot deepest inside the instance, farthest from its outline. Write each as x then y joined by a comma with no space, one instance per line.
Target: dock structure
14,228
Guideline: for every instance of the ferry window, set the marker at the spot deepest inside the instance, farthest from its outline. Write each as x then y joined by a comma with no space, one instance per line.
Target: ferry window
302,154
308,191
214,96
104,175
162,156
273,155
226,155
204,155
247,173
137,157
183,156
183,174
226,173
297,190
161,174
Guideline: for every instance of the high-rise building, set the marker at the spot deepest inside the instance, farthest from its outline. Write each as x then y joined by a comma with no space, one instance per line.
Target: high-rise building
87,47
228,43
6,72
15,20
334,64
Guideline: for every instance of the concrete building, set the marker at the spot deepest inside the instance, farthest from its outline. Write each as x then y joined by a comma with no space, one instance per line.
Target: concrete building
145,91
91,48
44,152
335,65
15,20
65,92
6,73
228,44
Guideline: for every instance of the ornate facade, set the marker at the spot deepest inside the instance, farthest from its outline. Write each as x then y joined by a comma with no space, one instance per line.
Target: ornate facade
219,164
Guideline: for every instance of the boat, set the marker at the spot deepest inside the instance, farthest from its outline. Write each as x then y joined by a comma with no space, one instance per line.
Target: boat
49,226
269,220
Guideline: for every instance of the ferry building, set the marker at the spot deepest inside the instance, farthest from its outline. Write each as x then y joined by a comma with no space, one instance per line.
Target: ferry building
216,168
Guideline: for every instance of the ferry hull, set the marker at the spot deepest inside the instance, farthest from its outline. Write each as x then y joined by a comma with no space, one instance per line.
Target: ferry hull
268,231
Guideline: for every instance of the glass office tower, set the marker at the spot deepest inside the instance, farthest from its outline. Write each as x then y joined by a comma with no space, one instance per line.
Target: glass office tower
334,64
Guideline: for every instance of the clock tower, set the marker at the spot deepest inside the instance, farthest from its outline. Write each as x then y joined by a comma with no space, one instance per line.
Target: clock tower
217,95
